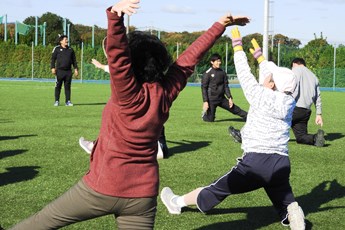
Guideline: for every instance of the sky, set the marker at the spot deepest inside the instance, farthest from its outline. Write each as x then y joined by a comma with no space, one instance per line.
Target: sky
299,19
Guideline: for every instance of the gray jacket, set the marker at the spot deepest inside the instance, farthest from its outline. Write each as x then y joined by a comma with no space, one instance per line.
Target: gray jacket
307,91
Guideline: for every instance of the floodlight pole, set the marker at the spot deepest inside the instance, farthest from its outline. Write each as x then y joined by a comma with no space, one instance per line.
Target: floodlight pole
266,24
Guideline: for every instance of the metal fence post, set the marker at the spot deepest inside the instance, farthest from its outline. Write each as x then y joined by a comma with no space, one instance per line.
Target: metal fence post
334,63
32,61
81,62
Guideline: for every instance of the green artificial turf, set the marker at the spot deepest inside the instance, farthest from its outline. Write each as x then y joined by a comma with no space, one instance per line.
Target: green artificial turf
40,158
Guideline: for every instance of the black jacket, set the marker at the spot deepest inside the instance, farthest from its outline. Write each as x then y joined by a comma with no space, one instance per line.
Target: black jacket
64,58
215,85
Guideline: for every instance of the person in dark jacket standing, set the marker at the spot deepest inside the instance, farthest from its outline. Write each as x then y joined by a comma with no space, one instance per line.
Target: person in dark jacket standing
63,58
214,87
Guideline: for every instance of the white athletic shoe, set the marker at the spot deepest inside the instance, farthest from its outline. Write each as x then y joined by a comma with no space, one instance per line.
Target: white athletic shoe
56,103
166,196
86,145
296,216
69,103
160,154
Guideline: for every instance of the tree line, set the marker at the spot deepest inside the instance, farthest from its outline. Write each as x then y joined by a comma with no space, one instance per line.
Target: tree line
16,60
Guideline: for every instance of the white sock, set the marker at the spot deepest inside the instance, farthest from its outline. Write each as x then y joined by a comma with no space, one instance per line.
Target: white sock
179,201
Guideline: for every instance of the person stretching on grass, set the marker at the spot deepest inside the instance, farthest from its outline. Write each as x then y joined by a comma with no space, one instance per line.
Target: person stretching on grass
87,146
306,94
216,92
265,161
162,153
123,178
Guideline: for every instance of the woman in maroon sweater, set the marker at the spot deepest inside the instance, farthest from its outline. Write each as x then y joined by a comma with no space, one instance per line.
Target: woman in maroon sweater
123,177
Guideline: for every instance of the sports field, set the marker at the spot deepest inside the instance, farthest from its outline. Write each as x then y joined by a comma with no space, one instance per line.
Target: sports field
40,158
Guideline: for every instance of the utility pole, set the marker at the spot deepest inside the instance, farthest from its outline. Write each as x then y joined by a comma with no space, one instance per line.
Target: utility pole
265,34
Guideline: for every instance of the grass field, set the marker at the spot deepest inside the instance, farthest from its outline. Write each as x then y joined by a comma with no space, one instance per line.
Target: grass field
40,159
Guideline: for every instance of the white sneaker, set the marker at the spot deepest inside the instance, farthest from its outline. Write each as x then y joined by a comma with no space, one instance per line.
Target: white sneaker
86,145
69,103
203,113
56,103
296,216
166,196
160,154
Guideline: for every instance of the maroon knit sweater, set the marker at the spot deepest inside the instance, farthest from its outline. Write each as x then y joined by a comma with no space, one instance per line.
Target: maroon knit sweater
123,162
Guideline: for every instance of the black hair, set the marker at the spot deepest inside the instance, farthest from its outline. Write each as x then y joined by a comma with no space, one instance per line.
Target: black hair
60,38
149,56
299,61
215,57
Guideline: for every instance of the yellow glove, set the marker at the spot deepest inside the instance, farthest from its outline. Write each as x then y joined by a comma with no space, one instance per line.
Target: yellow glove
257,53
236,39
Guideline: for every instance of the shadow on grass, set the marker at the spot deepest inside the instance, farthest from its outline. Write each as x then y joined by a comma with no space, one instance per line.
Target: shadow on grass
18,174
186,146
82,104
4,138
11,153
333,136
6,121
231,119
329,137
260,217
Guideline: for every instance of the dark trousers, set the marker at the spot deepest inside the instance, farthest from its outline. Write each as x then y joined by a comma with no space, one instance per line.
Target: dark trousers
253,171
65,77
300,118
82,203
224,103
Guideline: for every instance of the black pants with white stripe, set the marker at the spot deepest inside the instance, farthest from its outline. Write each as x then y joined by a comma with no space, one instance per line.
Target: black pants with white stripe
210,115
65,77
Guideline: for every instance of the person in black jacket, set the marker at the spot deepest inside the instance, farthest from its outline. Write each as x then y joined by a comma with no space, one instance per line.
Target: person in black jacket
215,87
63,57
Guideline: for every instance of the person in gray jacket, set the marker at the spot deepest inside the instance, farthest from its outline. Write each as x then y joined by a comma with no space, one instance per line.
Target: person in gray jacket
307,93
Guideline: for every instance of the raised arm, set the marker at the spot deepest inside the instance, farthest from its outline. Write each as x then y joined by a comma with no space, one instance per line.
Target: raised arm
185,64
196,51
123,83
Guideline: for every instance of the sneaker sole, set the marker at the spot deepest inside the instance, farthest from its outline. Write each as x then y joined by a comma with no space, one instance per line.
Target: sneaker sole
83,147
